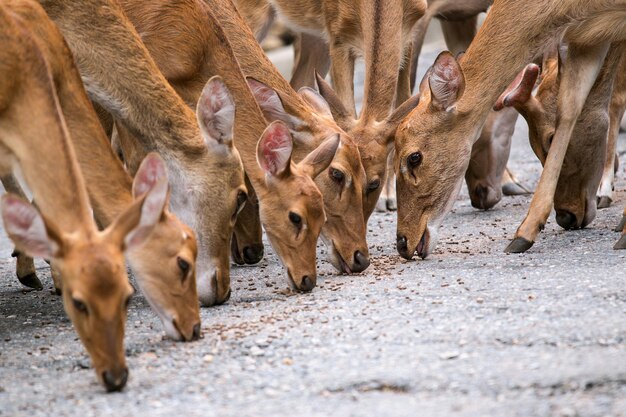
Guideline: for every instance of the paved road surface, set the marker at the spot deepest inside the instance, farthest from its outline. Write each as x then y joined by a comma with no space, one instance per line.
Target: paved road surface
468,332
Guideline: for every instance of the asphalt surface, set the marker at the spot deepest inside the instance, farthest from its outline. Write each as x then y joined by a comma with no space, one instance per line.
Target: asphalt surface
468,332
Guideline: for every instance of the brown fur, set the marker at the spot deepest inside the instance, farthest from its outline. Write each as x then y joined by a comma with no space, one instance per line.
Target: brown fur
444,138
99,34
91,262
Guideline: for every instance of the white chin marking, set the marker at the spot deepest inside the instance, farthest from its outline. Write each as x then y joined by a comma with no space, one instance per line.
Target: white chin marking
206,292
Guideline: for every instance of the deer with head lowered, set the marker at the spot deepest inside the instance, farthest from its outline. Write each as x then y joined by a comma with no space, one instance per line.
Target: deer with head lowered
95,285
204,167
315,140
584,161
380,31
165,265
433,143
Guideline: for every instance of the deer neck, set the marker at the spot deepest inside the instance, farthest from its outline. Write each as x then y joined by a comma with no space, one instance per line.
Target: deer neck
167,127
497,54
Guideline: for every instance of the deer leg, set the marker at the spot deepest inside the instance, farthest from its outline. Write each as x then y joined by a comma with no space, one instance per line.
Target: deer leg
387,200
25,265
342,74
311,55
579,75
616,112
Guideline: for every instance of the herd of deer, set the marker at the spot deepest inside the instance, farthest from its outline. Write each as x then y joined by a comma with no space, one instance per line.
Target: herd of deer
94,93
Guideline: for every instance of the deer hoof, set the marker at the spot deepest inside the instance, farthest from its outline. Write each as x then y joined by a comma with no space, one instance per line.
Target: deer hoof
604,202
31,281
519,245
621,243
620,226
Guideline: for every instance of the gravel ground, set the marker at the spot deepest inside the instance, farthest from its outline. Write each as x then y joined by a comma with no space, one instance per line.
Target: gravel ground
468,332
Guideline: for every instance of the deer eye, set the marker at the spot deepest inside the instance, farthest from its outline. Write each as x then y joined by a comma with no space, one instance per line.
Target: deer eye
337,175
184,267
295,219
373,185
414,160
79,306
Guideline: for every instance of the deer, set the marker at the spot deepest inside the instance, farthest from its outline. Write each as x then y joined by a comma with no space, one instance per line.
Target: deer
575,193
165,263
310,121
433,144
487,176
342,187
203,173
367,30
96,289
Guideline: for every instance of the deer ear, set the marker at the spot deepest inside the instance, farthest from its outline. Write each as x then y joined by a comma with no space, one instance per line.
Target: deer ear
520,90
339,112
28,230
318,160
274,149
315,100
150,172
446,82
216,113
133,227
270,103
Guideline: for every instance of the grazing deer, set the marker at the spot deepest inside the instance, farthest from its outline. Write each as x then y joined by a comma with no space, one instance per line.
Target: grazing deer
96,289
165,263
487,177
575,193
204,167
345,228
291,206
370,29
433,144
310,122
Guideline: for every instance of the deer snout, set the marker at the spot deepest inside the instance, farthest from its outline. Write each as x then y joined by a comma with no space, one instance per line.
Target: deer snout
566,219
115,379
361,262
403,247
222,292
484,197
253,254
305,284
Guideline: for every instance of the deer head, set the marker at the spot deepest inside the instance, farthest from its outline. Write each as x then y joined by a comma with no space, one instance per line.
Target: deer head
342,183
96,290
575,195
166,262
430,165
374,139
210,191
292,207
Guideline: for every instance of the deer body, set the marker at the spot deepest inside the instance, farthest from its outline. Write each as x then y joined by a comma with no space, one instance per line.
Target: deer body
454,108
204,170
95,285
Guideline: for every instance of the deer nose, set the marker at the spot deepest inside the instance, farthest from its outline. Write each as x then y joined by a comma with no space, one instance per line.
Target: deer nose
307,284
196,332
566,219
115,380
253,254
219,300
484,198
403,248
361,262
